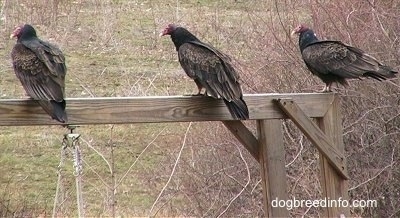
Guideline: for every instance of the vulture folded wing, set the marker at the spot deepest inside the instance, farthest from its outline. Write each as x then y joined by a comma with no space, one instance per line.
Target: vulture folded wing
211,69
50,55
226,60
43,71
337,58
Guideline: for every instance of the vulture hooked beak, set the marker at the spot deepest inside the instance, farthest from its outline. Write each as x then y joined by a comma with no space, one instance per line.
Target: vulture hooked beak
164,32
16,32
168,30
13,35
300,28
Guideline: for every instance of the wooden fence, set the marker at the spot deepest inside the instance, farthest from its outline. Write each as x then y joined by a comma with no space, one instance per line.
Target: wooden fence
268,110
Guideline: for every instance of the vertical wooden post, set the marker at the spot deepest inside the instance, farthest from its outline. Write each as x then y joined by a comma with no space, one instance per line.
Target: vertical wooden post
334,186
272,161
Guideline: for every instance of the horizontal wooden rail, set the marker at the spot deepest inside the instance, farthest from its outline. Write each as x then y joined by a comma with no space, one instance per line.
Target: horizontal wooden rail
267,148
124,110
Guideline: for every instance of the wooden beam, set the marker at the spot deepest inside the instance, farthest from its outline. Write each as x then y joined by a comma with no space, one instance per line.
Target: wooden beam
315,135
272,161
244,135
333,186
124,110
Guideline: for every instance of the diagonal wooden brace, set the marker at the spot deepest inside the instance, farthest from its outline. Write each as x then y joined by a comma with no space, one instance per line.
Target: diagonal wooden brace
244,135
314,134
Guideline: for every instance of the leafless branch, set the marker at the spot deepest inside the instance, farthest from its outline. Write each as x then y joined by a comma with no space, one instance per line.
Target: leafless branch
376,175
173,169
138,157
244,187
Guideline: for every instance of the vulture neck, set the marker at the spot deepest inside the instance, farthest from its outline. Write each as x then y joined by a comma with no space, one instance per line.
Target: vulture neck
306,38
26,38
181,36
28,33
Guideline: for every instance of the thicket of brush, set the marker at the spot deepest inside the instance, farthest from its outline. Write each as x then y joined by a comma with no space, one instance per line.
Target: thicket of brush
112,49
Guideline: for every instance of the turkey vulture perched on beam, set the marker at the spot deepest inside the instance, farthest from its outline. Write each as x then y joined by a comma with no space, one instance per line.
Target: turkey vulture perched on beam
334,61
210,69
40,66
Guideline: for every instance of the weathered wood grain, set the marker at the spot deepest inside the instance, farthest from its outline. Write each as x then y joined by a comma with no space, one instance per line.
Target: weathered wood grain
315,135
333,185
272,161
124,110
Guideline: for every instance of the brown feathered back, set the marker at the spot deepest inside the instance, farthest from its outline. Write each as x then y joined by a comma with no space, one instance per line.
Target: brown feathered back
214,73
40,66
210,69
334,61
334,57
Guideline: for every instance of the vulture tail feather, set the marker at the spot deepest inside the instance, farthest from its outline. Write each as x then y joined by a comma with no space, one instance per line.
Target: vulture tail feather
55,109
238,109
59,111
383,73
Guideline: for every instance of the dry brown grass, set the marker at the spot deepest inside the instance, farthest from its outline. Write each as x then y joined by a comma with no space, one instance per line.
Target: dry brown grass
113,49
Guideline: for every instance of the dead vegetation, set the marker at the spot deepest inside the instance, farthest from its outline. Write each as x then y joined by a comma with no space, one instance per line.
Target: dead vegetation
112,48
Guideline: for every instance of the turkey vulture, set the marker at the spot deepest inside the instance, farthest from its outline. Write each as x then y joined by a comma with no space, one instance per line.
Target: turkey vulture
40,66
334,61
210,69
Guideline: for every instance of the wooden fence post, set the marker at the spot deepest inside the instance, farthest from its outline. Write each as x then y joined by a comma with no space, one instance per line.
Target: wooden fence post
334,186
272,161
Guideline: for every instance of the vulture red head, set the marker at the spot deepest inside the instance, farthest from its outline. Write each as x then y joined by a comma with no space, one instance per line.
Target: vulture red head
17,32
23,31
168,30
299,29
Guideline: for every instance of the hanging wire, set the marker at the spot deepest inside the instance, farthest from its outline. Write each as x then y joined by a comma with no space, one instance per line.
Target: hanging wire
78,172
71,140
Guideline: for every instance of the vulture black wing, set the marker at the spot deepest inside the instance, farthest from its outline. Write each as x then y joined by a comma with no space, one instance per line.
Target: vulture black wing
211,69
40,66
51,56
344,61
214,71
